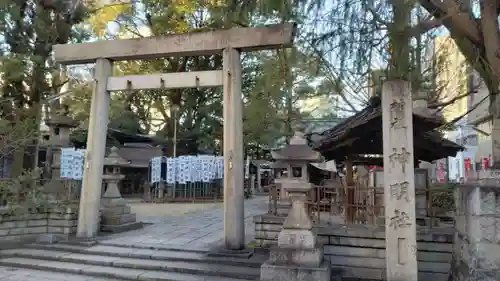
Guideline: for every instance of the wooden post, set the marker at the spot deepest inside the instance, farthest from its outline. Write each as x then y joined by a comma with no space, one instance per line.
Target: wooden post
88,216
349,180
234,220
399,181
259,179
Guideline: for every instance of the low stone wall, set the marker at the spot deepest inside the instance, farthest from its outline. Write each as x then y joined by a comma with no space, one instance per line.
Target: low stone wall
360,250
477,238
28,227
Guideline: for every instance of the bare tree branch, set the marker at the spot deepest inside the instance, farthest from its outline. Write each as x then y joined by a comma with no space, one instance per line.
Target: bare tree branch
426,25
455,16
451,101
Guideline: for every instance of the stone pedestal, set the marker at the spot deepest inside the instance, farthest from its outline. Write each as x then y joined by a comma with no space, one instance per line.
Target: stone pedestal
283,207
298,255
116,214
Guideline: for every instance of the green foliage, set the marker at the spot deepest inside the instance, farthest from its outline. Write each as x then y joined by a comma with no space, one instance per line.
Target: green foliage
443,198
28,30
274,83
24,194
273,86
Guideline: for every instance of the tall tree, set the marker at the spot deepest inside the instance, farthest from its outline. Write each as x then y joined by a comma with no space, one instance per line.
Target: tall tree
199,117
29,30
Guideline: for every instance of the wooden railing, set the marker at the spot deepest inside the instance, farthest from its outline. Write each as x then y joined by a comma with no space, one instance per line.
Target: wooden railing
334,203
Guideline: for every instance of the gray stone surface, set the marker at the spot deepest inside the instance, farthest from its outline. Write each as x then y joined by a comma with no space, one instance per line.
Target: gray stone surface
178,243
121,227
273,272
307,257
194,230
19,274
360,250
29,227
477,248
47,238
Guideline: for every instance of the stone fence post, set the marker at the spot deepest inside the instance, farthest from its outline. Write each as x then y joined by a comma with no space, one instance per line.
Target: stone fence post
477,237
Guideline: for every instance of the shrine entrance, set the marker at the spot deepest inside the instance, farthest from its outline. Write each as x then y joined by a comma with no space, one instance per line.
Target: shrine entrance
230,43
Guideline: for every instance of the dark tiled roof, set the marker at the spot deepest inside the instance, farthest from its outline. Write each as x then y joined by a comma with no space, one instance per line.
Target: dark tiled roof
362,132
435,138
138,156
370,113
296,152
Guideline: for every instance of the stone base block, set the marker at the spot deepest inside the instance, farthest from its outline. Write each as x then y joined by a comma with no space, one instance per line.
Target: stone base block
47,239
297,239
121,227
273,272
119,219
303,257
113,202
115,211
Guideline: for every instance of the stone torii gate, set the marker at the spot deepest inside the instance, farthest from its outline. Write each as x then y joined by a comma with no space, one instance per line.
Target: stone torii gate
230,43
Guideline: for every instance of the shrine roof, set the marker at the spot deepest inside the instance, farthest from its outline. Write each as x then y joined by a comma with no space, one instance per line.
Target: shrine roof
298,149
296,152
120,137
136,148
361,134
260,162
138,156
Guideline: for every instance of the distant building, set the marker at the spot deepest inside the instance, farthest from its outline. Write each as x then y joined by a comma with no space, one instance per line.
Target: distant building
479,118
456,78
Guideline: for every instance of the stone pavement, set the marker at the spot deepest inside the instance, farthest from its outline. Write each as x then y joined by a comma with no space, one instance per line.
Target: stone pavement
159,212
21,274
199,228
176,225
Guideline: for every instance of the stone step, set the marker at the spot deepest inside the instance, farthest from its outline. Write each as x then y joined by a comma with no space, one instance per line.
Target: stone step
192,267
108,271
184,248
74,248
163,254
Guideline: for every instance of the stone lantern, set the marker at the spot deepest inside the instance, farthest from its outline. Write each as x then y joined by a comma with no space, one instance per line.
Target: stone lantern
116,214
298,256
60,126
295,158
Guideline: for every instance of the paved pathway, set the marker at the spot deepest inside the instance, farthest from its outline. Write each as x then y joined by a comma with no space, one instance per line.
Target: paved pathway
21,274
202,227
182,225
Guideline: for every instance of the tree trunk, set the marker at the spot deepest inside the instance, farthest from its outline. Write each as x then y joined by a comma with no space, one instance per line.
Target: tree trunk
399,41
287,75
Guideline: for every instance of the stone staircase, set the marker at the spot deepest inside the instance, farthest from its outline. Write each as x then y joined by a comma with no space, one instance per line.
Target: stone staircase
133,263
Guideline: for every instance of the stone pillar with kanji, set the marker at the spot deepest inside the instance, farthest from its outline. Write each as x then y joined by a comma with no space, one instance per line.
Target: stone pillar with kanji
298,255
116,213
399,181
